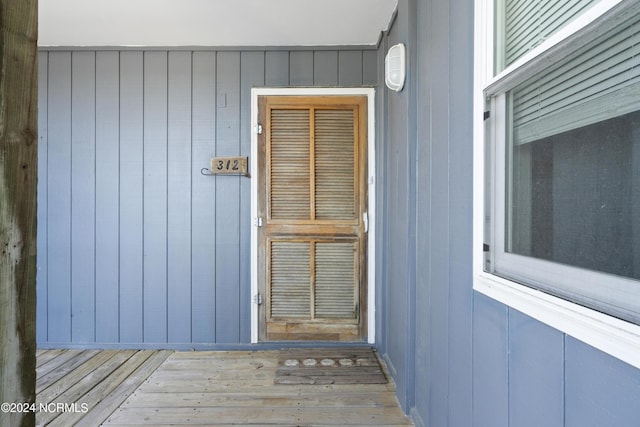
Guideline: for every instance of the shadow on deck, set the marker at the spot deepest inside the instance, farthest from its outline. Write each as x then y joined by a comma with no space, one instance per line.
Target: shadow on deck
145,387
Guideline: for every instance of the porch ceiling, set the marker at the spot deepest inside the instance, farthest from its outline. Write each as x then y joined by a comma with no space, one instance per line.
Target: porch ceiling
212,22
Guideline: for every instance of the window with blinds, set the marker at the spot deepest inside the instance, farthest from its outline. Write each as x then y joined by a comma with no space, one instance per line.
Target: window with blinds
565,157
525,24
595,83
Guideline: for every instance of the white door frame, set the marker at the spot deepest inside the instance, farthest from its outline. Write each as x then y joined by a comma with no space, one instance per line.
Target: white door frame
371,193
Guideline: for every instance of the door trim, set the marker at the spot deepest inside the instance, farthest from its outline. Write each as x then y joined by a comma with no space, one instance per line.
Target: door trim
371,173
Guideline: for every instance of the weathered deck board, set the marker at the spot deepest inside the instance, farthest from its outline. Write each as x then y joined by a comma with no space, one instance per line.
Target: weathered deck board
122,388
103,409
60,387
262,386
256,415
271,425
44,356
77,377
104,389
309,399
59,371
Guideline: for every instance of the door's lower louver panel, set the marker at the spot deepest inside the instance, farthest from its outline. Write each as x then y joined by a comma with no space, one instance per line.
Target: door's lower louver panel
290,280
317,274
335,280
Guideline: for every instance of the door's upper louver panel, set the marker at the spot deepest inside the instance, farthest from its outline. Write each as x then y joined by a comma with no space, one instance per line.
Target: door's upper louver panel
334,165
290,284
336,280
290,175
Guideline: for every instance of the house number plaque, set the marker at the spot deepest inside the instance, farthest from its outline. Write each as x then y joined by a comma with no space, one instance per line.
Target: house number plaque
228,166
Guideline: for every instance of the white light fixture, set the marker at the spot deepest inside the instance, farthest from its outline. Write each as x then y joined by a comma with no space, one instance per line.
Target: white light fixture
394,67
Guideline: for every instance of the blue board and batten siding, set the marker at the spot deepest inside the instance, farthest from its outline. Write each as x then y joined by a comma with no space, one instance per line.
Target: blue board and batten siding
135,247
458,357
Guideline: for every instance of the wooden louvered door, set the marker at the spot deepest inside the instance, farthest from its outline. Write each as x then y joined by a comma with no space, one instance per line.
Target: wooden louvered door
312,201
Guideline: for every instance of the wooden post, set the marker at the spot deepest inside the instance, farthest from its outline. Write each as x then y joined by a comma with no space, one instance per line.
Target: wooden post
18,180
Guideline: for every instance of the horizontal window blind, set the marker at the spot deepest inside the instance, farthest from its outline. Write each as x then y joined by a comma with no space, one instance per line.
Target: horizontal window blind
527,23
598,82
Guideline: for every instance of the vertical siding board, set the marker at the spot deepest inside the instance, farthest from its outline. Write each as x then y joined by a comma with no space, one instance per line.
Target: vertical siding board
203,206
228,200
441,214
413,173
107,196
325,68
424,287
131,197
301,68
350,68
179,198
397,215
490,363
59,206
400,289
461,195
536,359
251,75
370,68
396,296
155,197
83,197
43,198
276,68
600,390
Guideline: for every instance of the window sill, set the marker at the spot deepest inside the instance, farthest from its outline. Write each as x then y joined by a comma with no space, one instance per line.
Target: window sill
613,336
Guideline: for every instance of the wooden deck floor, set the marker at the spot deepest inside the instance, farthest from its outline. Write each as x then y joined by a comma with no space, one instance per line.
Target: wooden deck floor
124,388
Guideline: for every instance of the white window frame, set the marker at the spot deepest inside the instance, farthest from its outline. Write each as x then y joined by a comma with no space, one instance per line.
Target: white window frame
370,93
614,336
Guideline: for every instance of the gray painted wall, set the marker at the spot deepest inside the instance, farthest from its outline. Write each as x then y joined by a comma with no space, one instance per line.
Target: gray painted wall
135,247
428,214
459,358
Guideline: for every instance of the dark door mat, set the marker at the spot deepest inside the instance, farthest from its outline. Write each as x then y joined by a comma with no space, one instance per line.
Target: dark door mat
329,366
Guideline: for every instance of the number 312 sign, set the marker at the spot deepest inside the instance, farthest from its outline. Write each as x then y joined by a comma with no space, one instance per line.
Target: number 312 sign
228,166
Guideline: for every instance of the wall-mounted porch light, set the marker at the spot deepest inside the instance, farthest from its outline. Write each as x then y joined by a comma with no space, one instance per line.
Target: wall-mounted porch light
395,68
